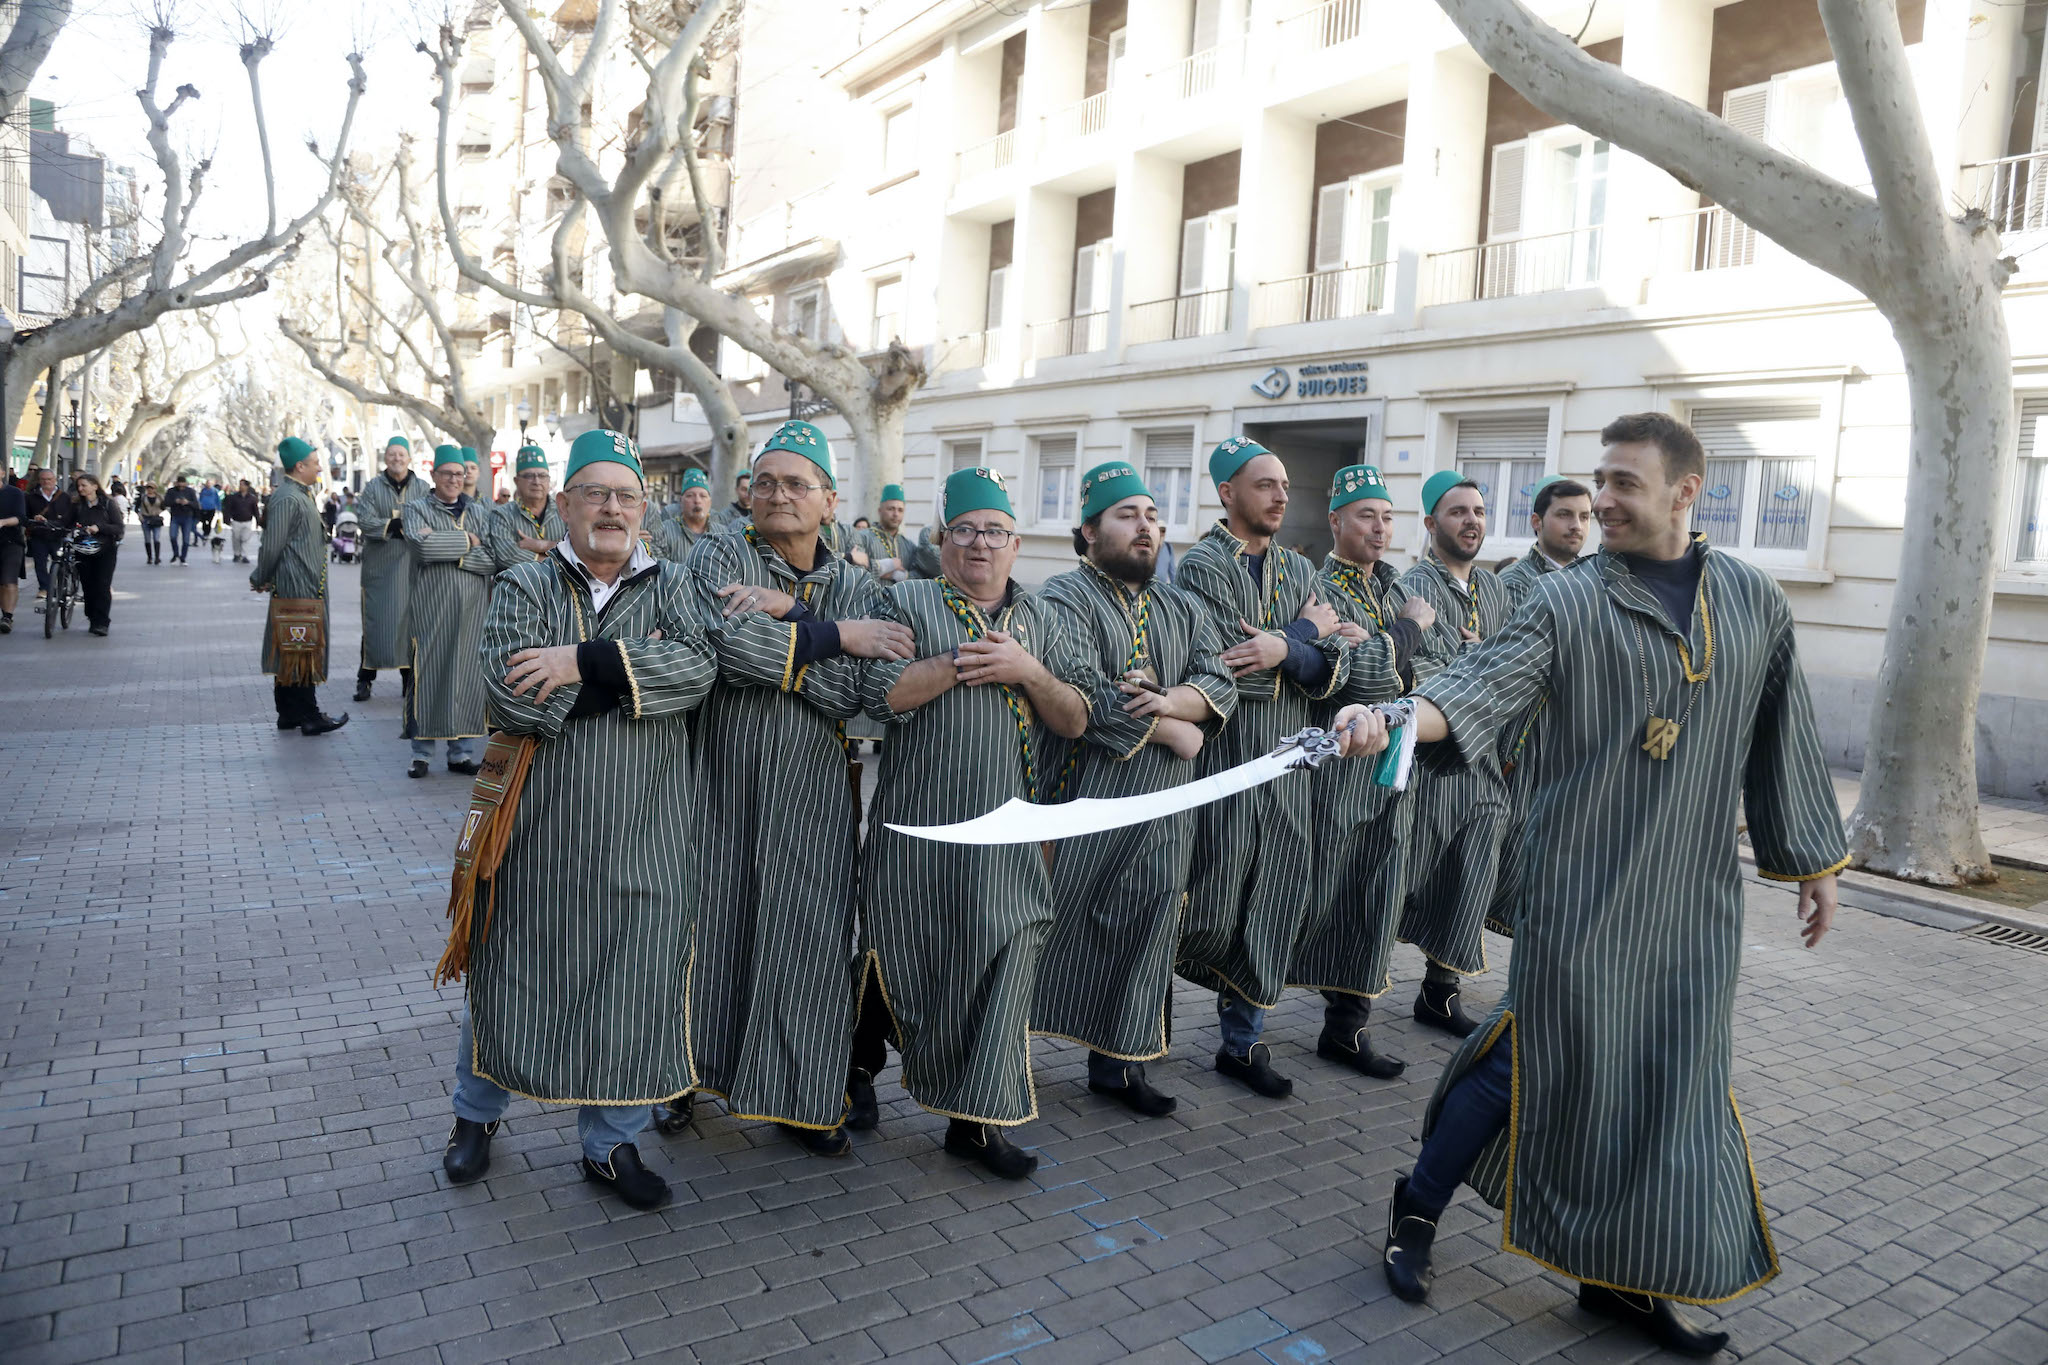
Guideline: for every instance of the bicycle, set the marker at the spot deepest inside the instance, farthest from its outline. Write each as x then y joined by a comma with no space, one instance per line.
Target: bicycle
66,592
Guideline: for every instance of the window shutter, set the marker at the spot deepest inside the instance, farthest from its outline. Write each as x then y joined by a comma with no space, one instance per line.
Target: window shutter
1194,236
963,455
1332,215
1118,45
2033,466
998,290
1748,111
1055,452
1503,452
1084,281
1207,21
1164,449
1504,208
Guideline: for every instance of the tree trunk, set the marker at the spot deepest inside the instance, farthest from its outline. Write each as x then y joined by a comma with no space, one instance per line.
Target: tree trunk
878,442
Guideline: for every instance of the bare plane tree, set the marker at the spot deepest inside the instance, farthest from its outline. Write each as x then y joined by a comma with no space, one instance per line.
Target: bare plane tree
166,375
1938,279
31,31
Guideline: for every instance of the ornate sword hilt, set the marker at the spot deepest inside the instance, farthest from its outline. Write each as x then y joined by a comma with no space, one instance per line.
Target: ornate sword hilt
1312,746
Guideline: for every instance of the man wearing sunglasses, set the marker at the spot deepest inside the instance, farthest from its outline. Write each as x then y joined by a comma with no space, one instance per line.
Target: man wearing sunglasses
445,602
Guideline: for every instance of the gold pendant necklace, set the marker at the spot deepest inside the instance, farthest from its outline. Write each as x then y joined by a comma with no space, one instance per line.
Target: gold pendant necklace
1660,734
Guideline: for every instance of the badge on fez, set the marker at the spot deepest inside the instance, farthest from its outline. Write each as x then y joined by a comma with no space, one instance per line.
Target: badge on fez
994,476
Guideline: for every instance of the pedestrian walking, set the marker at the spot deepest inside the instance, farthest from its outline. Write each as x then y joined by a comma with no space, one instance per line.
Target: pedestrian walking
209,508
149,511
94,514
13,550
182,502
239,510
450,587
47,505
292,568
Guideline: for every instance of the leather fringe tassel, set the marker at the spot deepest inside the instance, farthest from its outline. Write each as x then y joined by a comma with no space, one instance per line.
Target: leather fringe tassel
486,833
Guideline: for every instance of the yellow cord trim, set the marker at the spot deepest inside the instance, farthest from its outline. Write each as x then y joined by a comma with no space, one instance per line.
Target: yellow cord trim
789,659
1803,876
632,682
476,1057
732,1113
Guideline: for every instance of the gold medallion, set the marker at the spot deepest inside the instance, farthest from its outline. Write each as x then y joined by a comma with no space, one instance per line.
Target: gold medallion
1660,736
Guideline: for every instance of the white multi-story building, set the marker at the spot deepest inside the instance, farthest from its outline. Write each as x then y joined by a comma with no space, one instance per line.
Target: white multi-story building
1135,227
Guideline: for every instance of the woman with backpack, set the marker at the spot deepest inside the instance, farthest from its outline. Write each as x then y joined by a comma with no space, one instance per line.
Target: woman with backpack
149,509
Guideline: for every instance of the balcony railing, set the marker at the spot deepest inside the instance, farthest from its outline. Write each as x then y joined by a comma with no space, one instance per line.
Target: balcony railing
1523,265
794,220
1083,118
1185,315
1711,238
990,154
1197,74
975,351
2012,191
1320,27
1077,335
1325,294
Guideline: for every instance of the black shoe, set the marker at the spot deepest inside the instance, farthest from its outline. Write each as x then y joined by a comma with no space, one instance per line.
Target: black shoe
1410,1234
97,630
469,1150
1437,1005
7,624
818,1141
862,1113
322,723
673,1117
1137,1095
1654,1317
468,767
979,1142
362,692
1356,1052
417,769
632,1182
284,724
1255,1071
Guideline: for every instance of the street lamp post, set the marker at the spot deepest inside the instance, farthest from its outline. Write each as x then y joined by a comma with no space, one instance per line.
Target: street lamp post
6,354
74,390
525,411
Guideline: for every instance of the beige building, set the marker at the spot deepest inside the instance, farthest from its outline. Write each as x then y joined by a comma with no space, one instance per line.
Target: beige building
1133,228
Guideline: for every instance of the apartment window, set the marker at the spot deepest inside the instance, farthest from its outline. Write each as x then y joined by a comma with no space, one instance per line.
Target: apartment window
1505,453
1550,187
1056,480
1170,473
1759,493
888,313
1354,234
2032,542
807,312
962,455
1091,279
998,291
899,141
1118,46
1208,256
736,362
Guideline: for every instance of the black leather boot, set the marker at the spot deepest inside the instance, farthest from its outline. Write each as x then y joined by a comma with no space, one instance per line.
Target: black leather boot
322,723
673,1117
1438,1005
363,686
985,1144
1255,1071
1356,1052
1654,1317
631,1181
862,1110
1411,1232
818,1141
468,1154
1136,1093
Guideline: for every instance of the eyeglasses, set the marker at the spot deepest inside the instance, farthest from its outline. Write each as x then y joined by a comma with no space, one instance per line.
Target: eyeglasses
597,495
793,489
995,537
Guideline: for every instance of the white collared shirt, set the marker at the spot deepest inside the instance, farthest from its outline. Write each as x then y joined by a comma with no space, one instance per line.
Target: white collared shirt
601,591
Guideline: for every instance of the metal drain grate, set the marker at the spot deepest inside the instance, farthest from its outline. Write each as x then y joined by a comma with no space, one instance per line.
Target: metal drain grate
2026,940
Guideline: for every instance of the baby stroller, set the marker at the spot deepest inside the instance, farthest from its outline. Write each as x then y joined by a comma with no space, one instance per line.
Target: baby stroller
348,537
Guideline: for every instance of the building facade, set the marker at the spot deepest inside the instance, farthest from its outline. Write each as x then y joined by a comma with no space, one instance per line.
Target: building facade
1135,227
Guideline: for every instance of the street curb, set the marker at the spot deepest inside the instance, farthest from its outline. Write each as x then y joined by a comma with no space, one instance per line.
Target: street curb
1884,896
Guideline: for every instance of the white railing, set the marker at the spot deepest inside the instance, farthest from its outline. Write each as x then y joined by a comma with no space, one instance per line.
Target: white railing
1197,74
990,154
1711,238
2012,191
975,351
1522,265
1083,118
1185,315
1319,28
793,220
1077,335
1325,294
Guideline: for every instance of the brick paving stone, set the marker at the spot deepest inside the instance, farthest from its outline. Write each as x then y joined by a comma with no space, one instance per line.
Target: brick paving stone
224,1076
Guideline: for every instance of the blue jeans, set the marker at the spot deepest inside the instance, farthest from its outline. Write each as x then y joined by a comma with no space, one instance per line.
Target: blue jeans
459,750
601,1126
1242,1022
184,530
1472,1114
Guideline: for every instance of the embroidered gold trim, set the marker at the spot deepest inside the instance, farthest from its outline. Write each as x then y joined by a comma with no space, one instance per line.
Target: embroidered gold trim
1804,876
632,681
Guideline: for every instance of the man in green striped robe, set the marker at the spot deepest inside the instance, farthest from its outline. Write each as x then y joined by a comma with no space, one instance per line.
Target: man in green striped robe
954,933
529,525
772,995
1596,1105
740,511
1460,812
675,537
471,468
293,563
451,577
1157,689
580,960
387,567
1251,883
885,549
1348,937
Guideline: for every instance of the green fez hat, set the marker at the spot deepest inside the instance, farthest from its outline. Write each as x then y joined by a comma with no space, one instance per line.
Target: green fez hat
1234,454
531,457
469,455
976,490
1355,481
397,440
1109,484
893,492
291,450
801,438
694,478
603,447
1438,484
447,455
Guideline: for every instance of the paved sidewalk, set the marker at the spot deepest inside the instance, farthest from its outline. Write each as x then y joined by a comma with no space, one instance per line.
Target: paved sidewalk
224,1089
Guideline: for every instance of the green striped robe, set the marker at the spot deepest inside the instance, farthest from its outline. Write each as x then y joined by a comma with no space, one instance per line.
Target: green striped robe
451,585
579,992
292,561
772,1000
1107,971
510,521
1361,853
1519,745
387,571
668,538
730,518
956,931
1460,812
879,545
1251,884
1624,1162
